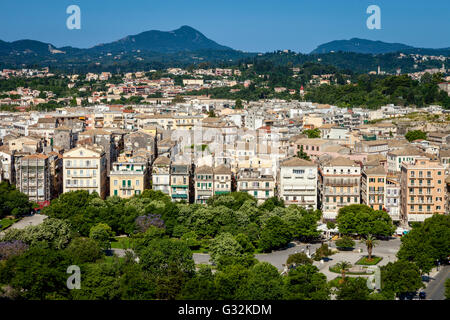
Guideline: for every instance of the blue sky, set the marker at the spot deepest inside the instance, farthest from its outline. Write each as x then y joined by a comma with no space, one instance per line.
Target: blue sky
248,25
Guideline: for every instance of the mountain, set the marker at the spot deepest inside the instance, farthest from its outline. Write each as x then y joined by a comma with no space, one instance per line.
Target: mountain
373,47
182,39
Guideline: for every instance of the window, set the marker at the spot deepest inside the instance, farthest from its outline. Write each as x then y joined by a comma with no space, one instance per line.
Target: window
137,183
115,182
115,192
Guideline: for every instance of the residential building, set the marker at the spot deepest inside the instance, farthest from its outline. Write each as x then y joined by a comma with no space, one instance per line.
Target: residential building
298,182
161,175
395,158
33,177
392,197
204,184
423,190
180,181
256,183
223,180
373,187
84,168
339,185
128,178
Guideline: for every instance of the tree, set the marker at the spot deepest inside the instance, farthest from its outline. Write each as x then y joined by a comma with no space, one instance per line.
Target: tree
322,252
12,201
13,248
275,234
100,281
102,233
160,254
400,277
39,273
427,242
229,280
345,242
415,135
353,289
305,282
361,219
298,259
238,104
264,282
370,243
302,154
83,250
201,286
312,133
224,245
344,266
55,232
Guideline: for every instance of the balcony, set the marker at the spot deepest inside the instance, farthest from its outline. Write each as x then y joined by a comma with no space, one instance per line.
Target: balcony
81,166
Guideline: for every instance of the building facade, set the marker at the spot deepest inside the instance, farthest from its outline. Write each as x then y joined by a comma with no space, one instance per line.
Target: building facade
423,190
298,182
84,168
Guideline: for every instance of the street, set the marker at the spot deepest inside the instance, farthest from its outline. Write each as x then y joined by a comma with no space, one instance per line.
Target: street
435,289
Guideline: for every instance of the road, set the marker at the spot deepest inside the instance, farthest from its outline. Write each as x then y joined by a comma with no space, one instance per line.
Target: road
32,220
435,290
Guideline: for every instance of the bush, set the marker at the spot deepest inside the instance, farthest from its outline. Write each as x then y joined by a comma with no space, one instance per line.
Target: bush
345,243
298,259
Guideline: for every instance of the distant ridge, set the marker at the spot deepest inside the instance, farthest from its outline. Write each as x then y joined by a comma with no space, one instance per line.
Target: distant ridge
373,47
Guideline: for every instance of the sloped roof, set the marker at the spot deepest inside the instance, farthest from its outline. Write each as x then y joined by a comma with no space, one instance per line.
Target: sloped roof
222,169
204,169
162,161
296,162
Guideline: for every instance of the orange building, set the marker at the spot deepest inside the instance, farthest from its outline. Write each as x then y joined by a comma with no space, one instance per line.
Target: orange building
373,187
423,190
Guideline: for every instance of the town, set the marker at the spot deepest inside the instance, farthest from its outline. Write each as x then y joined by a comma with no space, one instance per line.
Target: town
281,179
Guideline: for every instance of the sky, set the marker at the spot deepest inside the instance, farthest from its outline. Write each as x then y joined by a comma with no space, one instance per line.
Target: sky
247,25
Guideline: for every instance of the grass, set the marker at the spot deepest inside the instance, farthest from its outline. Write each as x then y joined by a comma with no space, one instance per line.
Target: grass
6,223
364,261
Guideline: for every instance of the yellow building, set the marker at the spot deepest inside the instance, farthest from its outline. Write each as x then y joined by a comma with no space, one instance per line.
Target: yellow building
373,187
128,178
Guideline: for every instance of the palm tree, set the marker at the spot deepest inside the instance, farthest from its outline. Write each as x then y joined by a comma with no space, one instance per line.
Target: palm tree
344,266
370,242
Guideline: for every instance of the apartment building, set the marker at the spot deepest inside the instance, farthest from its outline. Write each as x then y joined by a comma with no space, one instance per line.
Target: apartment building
298,182
7,171
339,185
180,181
161,175
102,138
33,178
84,168
408,154
128,178
204,184
223,180
256,183
372,147
423,190
392,196
373,187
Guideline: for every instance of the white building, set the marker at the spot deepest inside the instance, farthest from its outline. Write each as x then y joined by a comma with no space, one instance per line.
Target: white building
84,168
298,182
